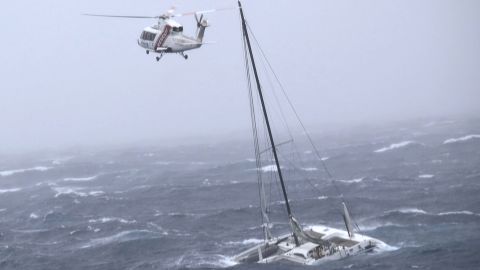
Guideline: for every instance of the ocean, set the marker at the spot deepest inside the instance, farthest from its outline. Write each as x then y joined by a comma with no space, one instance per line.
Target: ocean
414,185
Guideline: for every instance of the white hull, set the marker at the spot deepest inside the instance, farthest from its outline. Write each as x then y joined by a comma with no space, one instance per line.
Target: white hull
331,244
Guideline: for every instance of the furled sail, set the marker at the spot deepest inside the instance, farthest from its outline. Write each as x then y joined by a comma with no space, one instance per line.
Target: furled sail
306,235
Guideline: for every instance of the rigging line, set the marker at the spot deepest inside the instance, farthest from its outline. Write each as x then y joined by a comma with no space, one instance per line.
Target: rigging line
279,107
291,105
327,171
303,174
296,114
255,139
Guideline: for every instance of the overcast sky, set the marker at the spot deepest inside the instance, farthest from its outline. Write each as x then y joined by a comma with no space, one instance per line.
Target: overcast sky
68,79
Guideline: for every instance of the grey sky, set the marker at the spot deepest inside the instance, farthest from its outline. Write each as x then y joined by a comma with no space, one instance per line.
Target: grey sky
67,79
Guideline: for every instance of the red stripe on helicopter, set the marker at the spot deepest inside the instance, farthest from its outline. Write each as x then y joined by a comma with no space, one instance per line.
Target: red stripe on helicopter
163,36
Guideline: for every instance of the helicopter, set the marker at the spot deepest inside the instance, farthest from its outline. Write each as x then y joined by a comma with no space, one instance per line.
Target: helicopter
167,35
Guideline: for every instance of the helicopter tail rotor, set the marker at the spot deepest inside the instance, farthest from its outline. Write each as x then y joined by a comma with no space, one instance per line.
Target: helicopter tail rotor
201,25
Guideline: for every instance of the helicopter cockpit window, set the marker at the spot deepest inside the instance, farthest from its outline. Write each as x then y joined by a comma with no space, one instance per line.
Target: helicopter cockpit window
148,36
177,29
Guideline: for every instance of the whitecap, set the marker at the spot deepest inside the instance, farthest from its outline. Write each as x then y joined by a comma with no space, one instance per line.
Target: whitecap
310,169
80,179
322,197
16,171
61,160
9,190
270,168
462,139
225,261
408,211
252,241
352,181
33,216
68,190
96,193
426,176
178,214
383,247
198,260
120,237
112,219
394,146
464,212
375,225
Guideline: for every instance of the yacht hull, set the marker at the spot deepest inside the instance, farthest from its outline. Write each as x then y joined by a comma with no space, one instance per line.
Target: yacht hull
327,244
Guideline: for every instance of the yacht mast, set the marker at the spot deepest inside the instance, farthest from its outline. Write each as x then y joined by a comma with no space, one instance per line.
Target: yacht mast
267,122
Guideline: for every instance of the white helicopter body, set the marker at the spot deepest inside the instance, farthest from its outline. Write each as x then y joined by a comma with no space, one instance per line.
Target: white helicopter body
167,35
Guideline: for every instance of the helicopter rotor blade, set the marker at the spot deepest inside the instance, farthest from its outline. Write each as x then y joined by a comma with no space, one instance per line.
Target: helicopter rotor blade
122,16
201,12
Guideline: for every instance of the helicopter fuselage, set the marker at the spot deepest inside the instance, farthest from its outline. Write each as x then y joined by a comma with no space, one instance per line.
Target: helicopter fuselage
167,37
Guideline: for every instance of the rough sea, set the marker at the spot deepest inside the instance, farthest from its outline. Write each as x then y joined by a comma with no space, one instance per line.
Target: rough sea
414,185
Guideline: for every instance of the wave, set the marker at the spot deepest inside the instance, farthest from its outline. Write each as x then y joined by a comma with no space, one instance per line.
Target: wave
111,219
12,172
383,247
80,179
422,212
9,190
269,168
121,237
33,216
310,169
376,225
61,160
196,260
408,211
462,139
394,146
426,176
77,191
464,212
251,241
352,181
178,214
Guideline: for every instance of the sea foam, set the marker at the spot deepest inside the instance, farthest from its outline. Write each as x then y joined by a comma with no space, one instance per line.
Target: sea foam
394,146
462,139
352,181
80,179
16,171
9,190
